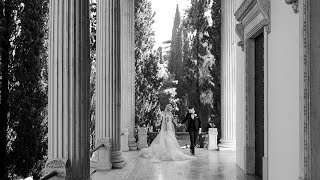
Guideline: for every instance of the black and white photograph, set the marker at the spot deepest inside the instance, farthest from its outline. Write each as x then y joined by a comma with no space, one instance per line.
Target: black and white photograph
159,90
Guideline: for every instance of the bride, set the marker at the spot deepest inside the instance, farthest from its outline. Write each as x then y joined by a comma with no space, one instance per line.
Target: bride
165,146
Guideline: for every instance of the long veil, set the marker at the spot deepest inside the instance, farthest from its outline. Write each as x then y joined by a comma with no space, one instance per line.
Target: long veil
166,123
163,123
165,146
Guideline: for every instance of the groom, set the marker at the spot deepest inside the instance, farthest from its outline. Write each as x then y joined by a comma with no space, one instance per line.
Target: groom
193,123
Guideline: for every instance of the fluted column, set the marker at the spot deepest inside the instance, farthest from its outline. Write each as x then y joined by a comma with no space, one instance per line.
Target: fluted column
109,77
69,90
128,70
132,76
228,76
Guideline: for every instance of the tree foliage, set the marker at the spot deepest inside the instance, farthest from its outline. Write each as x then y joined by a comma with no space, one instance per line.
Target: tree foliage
147,82
6,28
175,61
199,84
24,86
93,30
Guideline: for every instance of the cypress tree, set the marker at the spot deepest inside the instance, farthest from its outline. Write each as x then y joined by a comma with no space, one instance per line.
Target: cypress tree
23,87
174,64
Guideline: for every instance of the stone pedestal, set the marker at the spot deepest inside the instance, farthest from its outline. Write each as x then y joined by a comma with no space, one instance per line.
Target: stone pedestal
142,138
132,144
228,76
61,166
103,154
108,122
213,134
124,140
69,89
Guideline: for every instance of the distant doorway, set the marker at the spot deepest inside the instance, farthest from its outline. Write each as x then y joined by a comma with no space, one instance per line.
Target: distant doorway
259,103
253,31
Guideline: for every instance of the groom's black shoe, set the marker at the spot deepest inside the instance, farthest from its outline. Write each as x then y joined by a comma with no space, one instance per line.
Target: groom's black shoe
192,151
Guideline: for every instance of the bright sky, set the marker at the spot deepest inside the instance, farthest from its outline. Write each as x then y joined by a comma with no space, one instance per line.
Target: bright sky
165,11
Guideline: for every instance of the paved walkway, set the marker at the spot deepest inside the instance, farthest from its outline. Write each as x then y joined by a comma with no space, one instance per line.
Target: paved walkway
211,165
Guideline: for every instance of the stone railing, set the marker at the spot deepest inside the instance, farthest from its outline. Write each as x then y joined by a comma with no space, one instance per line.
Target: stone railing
96,148
101,159
50,175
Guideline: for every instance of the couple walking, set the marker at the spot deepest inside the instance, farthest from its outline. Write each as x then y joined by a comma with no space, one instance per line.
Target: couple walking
165,146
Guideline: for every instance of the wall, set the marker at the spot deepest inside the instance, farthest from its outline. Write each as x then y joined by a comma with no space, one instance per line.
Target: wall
240,90
315,88
283,79
241,107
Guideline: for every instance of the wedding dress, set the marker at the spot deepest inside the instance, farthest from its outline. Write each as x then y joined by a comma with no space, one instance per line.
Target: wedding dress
165,146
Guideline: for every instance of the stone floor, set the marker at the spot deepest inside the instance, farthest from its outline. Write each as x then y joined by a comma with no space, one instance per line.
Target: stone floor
211,165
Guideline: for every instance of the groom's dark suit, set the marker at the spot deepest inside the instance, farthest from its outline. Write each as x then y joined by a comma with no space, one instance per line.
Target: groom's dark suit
193,126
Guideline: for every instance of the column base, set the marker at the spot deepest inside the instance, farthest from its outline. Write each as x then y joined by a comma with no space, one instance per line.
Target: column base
227,145
133,147
132,144
118,162
125,148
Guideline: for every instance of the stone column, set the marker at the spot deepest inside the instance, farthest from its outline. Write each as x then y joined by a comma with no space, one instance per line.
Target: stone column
228,76
132,76
109,77
132,70
127,71
69,89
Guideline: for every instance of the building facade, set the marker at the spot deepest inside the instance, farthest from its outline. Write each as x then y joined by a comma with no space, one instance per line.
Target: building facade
270,86
276,87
